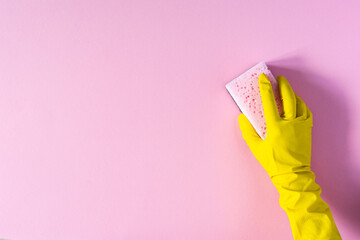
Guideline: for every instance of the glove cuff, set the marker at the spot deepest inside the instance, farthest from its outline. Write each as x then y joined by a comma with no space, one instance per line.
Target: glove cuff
310,217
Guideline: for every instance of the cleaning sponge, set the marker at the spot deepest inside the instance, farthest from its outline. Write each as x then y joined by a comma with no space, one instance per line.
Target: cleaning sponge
246,94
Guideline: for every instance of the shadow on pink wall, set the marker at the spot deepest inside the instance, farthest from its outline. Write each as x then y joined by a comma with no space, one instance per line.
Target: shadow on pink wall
331,160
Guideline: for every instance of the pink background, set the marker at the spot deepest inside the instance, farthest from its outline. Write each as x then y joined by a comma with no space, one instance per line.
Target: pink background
115,122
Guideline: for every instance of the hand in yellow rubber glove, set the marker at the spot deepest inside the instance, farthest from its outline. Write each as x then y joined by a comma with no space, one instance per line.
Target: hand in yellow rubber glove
285,154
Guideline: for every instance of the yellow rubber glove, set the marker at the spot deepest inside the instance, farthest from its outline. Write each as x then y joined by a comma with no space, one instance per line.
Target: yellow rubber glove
285,154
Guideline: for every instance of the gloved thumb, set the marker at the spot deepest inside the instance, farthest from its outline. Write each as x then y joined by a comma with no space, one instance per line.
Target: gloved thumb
247,129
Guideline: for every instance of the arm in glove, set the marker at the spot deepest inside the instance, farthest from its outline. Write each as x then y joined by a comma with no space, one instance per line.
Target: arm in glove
285,154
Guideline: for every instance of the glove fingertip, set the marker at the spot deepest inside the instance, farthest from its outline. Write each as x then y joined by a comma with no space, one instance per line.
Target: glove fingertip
281,78
263,78
246,127
242,120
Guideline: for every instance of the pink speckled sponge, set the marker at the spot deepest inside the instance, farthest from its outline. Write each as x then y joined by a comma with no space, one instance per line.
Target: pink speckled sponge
246,93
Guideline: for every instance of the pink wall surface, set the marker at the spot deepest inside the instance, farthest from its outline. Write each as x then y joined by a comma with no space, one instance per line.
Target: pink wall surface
115,122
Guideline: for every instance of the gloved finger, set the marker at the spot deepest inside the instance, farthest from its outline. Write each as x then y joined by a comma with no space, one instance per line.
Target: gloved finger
268,99
247,129
301,108
287,97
